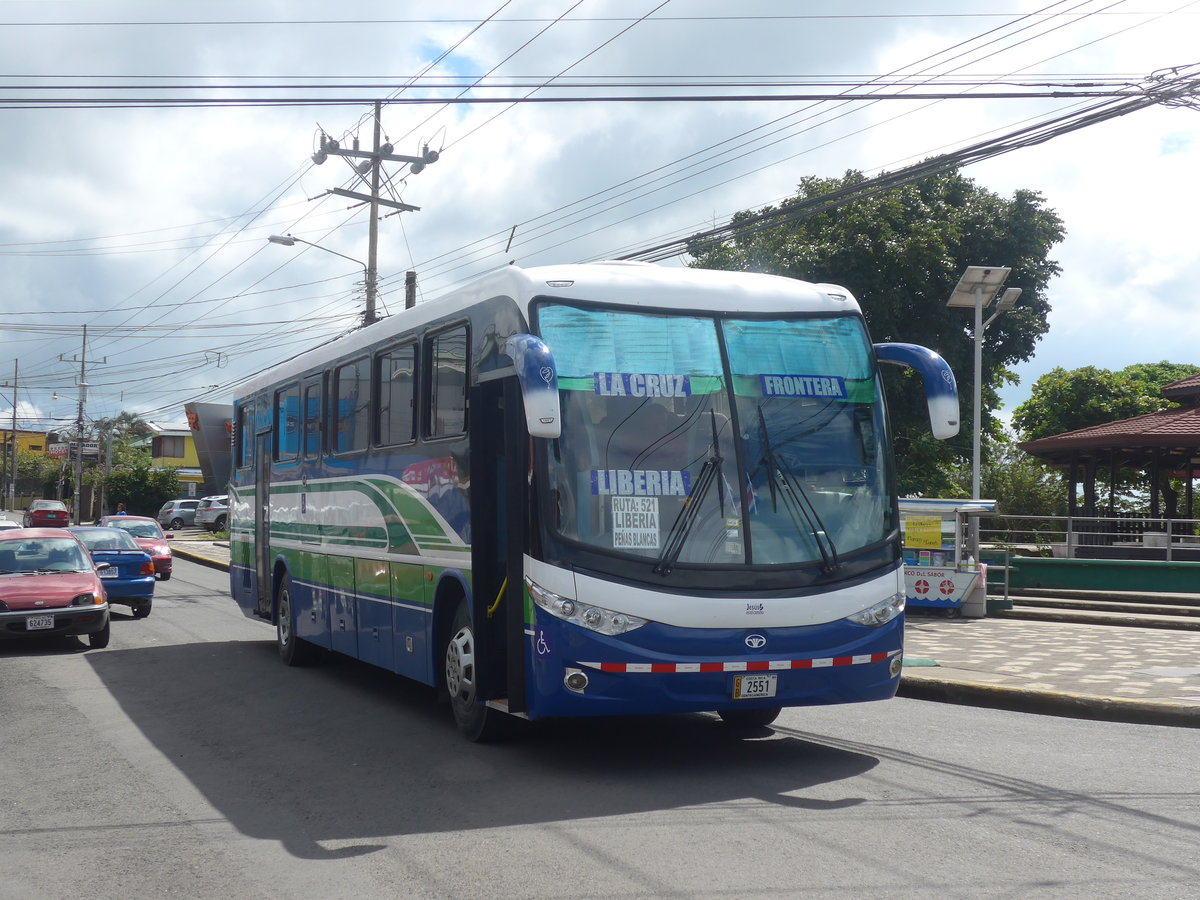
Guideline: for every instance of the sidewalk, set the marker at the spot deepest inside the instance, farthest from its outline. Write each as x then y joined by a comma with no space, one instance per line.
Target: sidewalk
1115,673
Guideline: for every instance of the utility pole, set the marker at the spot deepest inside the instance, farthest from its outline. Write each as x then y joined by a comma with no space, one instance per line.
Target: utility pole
12,471
369,316
372,162
10,455
79,423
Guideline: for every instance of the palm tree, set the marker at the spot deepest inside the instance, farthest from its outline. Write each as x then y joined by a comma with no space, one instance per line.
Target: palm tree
124,426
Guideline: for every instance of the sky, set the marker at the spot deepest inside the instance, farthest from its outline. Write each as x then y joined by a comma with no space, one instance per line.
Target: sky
149,225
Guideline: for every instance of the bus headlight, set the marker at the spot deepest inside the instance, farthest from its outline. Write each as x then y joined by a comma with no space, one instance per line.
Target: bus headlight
881,613
593,618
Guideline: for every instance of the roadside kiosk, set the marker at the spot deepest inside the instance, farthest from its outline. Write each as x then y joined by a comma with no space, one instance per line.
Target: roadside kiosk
941,553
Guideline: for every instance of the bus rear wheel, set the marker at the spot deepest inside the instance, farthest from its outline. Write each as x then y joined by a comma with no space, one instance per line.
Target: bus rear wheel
750,718
292,650
475,720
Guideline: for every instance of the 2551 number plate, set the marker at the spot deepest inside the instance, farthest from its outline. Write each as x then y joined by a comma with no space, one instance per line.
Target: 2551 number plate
754,687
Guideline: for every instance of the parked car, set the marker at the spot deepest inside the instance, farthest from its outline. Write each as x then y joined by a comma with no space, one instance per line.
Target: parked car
9,523
46,514
213,512
50,586
149,537
175,514
129,577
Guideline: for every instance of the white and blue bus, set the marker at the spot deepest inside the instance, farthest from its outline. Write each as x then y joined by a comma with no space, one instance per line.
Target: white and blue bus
597,489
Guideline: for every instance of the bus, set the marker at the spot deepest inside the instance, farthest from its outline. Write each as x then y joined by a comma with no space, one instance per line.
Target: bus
588,490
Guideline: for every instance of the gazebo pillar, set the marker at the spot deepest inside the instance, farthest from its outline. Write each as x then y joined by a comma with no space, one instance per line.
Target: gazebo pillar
1155,505
1089,486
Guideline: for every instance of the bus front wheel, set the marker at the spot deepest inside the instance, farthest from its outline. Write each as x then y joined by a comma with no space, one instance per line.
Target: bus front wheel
475,720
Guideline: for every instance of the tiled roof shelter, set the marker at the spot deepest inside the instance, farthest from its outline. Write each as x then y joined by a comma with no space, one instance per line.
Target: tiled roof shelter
1164,442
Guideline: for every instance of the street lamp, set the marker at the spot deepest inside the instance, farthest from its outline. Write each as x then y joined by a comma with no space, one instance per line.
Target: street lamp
978,288
288,240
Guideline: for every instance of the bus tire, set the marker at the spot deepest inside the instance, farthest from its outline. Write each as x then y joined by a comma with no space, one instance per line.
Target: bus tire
750,718
292,650
476,721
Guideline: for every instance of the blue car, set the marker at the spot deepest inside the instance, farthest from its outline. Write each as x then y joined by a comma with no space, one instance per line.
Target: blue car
129,577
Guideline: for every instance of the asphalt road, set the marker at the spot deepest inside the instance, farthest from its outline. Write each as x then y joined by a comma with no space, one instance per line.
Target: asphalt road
186,761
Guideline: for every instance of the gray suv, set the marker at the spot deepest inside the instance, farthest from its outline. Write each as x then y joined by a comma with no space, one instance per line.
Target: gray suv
213,513
177,513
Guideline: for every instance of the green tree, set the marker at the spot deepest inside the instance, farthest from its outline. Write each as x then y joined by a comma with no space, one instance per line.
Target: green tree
1022,485
125,426
1065,400
37,473
136,482
901,252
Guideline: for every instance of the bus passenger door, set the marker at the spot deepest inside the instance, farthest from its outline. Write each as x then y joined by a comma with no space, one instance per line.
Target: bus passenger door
262,523
499,517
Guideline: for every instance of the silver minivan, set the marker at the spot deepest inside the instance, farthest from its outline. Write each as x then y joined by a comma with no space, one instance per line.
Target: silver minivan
177,513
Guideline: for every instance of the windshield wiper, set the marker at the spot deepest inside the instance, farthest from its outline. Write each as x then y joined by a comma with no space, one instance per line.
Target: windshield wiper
712,469
795,500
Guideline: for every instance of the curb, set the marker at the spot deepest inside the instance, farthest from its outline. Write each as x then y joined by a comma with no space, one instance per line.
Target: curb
1050,703
192,556
1086,617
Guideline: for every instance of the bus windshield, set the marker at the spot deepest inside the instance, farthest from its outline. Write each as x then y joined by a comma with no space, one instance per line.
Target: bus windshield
691,440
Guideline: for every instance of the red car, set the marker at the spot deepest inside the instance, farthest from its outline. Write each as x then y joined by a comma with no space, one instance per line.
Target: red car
46,514
49,586
149,536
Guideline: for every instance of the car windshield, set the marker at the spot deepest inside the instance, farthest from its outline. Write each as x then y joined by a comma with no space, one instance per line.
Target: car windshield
48,504
692,439
106,539
142,529
42,555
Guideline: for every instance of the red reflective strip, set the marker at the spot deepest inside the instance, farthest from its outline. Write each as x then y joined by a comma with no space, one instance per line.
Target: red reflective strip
758,665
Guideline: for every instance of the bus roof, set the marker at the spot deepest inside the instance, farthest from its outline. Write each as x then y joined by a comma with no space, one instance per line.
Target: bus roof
621,283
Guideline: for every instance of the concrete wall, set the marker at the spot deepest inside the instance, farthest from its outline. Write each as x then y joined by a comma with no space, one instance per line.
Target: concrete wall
1104,575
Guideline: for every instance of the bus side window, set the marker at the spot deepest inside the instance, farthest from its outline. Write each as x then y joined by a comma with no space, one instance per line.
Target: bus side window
286,426
312,418
242,435
395,392
352,392
447,409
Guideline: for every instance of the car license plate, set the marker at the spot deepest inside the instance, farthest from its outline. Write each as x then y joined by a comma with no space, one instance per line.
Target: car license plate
109,573
754,687
38,623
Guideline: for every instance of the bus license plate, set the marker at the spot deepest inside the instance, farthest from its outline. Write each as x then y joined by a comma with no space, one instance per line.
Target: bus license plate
754,687
38,623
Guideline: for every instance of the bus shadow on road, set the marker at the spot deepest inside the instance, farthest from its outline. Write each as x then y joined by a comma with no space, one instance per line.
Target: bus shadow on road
348,754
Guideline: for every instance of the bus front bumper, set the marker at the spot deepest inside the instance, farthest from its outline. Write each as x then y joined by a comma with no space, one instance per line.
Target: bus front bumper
573,672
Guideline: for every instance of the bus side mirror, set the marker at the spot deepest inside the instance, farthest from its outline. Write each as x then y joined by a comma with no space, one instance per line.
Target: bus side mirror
941,391
538,377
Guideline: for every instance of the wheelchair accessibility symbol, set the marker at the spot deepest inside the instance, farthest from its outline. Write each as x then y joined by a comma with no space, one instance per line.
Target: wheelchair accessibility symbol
543,649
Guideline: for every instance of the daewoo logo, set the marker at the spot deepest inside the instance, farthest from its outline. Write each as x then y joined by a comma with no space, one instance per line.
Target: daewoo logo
755,641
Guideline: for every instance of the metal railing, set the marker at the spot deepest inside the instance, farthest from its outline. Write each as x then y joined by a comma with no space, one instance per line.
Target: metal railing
1092,537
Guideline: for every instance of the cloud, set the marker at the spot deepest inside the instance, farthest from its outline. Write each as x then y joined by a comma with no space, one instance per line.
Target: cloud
175,198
